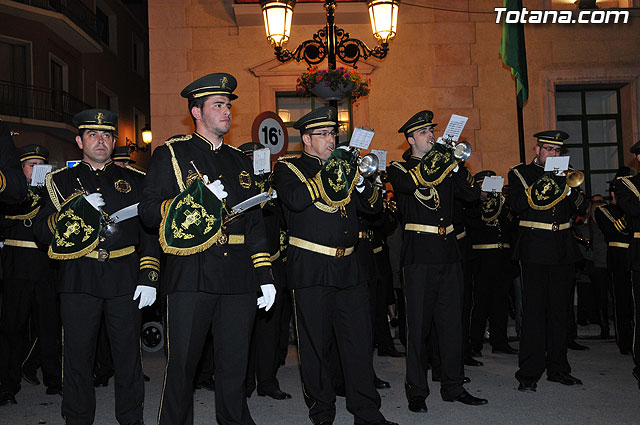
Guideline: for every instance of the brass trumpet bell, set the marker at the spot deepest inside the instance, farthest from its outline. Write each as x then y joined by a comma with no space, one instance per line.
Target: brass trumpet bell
368,165
575,178
462,151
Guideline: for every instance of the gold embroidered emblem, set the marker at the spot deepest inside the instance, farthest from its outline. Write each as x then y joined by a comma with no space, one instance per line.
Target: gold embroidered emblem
153,276
245,179
191,176
340,181
100,117
223,82
74,227
122,186
426,116
192,217
329,114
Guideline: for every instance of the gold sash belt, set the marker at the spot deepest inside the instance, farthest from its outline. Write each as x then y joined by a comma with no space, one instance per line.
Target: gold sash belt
491,246
545,226
275,256
104,255
21,244
424,228
619,244
320,249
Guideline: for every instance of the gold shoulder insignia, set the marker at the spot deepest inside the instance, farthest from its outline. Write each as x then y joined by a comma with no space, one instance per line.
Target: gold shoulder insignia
517,165
399,166
285,158
52,188
233,147
178,139
129,167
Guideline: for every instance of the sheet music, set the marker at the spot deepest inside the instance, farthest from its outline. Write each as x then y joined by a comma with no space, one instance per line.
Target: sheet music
40,171
556,163
382,158
455,127
261,161
492,184
361,137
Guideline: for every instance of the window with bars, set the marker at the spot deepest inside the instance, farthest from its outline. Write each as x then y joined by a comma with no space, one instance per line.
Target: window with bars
591,116
291,107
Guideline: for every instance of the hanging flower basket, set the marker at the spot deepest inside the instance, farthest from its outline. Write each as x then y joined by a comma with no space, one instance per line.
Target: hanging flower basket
332,84
325,91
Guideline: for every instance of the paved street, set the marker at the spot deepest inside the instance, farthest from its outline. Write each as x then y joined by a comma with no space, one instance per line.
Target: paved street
610,395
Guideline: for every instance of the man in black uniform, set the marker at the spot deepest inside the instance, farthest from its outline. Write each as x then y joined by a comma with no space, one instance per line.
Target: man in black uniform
425,186
264,358
29,294
490,228
12,183
215,268
547,253
627,191
617,233
321,193
105,269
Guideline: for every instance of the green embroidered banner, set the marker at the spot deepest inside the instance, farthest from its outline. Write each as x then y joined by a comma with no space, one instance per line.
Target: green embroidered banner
77,229
436,164
338,176
193,221
547,191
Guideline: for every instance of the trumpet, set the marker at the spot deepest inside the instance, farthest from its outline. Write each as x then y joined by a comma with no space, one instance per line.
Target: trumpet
367,165
461,150
574,177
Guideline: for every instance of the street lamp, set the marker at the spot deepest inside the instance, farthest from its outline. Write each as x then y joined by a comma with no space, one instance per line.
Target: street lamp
329,42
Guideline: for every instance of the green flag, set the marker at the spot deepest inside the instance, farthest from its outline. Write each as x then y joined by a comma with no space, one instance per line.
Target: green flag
513,52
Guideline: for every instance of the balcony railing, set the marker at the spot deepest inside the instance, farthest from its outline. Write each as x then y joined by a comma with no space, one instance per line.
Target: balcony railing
75,10
38,103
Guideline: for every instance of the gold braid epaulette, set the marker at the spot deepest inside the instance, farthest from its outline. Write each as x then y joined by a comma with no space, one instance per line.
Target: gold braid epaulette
632,187
174,162
52,189
238,149
129,167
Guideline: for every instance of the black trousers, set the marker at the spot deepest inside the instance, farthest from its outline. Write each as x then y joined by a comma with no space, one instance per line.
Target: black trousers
467,306
23,300
381,331
264,354
189,316
546,296
433,293
81,315
635,279
492,282
623,306
322,315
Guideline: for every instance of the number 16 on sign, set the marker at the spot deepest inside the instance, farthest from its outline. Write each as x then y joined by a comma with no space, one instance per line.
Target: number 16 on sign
270,131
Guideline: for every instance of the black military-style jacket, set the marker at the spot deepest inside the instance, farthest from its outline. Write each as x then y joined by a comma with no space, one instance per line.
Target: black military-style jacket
22,256
498,231
275,233
627,190
222,268
432,207
539,245
310,219
13,186
120,188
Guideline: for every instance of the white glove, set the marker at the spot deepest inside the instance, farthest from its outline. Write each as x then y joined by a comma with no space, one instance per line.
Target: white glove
360,185
217,188
343,147
274,194
569,192
440,140
95,199
268,296
147,295
455,170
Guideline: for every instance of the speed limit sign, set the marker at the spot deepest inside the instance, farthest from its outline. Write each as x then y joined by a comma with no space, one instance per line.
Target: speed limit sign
269,130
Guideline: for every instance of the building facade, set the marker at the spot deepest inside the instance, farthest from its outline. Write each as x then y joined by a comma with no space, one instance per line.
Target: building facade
583,78
58,57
